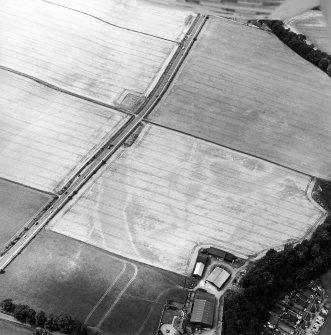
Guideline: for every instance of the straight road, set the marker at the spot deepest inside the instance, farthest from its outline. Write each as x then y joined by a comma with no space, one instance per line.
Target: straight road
110,147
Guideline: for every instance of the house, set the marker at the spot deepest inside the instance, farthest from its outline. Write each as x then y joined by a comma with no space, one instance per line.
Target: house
203,309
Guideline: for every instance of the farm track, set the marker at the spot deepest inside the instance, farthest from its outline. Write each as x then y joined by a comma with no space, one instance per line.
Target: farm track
110,147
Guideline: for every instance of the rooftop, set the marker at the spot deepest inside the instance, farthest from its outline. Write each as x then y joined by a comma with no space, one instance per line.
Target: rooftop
203,309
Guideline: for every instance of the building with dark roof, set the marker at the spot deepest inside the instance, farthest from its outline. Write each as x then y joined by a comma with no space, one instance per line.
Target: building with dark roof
221,254
229,257
203,309
202,258
216,252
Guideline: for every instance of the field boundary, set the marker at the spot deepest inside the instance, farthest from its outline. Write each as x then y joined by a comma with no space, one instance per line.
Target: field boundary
27,186
109,23
113,144
64,91
225,146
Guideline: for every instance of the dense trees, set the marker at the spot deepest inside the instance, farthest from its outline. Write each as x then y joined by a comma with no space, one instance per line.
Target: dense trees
41,319
298,43
246,310
7,305
40,331
62,323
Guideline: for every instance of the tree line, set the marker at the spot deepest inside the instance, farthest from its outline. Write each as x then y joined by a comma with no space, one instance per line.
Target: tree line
246,309
62,323
298,43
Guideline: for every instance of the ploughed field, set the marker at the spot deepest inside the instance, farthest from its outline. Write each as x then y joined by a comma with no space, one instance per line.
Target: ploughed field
58,274
168,192
163,21
313,25
46,135
17,205
80,53
243,88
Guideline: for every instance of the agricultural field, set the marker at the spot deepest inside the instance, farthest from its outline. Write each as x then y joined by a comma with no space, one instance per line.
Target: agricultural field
80,53
155,19
58,274
7,328
244,89
313,25
167,193
46,135
17,205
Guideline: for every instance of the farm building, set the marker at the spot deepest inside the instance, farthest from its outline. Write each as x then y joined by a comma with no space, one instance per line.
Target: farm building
200,265
203,309
221,254
218,277
229,257
216,252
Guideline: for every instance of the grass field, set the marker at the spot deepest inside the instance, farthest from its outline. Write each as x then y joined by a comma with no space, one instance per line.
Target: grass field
17,205
242,88
169,192
80,53
313,25
162,21
7,328
46,136
61,275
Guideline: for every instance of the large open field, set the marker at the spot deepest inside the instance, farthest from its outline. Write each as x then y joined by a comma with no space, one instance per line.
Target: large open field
46,135
7,328
60,275
242,88
162,21
313,25
80,53
157,200
17,205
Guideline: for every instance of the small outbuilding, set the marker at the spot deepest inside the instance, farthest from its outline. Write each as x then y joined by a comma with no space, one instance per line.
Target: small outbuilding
200,265
218,277
229,257
203,309
198,269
